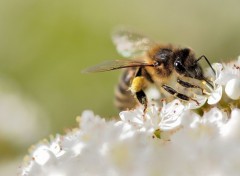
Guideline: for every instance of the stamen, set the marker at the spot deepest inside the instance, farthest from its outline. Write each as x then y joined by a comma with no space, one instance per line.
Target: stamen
205,92
208,85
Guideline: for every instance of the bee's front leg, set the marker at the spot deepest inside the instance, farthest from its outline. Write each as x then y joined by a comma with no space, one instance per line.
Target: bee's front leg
188,85
178,95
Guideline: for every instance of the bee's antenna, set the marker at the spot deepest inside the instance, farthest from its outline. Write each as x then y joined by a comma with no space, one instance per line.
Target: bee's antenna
207,62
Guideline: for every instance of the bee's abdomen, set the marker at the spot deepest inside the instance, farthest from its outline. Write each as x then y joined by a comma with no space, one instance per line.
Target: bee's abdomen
124,99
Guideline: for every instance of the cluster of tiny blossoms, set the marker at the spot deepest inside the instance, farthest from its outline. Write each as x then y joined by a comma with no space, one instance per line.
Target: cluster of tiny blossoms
171,139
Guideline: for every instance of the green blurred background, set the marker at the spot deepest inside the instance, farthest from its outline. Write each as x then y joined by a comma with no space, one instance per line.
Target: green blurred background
44,45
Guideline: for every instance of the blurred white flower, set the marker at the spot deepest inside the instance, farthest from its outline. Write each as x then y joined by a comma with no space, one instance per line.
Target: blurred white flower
22,120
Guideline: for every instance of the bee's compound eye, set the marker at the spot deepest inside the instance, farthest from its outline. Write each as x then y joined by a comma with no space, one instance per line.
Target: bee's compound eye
179,67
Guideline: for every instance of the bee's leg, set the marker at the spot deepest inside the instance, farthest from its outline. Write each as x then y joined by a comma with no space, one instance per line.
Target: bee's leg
139,72
142,98
137,88
188,85
207,62
178,95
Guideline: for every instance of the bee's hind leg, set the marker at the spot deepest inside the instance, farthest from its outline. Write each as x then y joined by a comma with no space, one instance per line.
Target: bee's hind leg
137,87
142,98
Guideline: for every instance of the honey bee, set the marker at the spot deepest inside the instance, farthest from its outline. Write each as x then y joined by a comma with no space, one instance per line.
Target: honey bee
152,63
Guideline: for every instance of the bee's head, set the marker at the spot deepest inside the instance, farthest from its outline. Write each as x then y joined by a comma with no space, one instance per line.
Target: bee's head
163,61
185,65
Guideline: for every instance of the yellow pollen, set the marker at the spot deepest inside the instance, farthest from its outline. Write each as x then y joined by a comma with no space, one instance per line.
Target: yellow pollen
137,84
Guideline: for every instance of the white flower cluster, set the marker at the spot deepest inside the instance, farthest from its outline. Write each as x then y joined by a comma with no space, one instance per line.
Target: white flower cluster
157,122
206,145
168,140
228,77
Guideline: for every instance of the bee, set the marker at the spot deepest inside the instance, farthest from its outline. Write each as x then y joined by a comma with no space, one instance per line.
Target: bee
150,63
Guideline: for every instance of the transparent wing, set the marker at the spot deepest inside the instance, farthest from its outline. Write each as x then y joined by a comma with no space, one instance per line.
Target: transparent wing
130,44
115,64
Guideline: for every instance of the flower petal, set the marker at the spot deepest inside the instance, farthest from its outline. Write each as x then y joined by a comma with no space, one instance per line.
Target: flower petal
232,88
201,100
215,96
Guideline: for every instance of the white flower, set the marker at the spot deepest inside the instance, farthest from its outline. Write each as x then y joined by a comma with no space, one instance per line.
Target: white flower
209,124
206,145
97,148
228,77
166,118
232,129
202,148
20,116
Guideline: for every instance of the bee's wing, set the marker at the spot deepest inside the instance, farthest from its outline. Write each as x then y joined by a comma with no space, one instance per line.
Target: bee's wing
115,64
131,44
